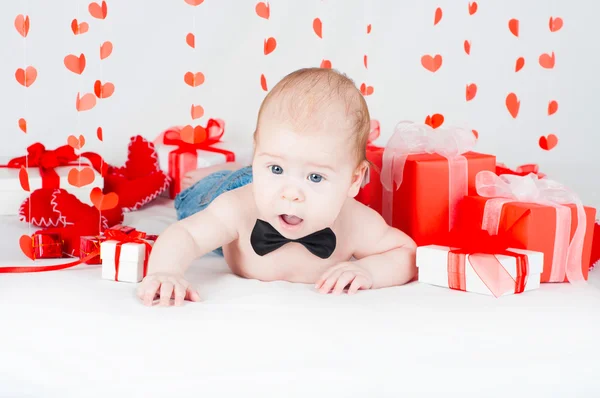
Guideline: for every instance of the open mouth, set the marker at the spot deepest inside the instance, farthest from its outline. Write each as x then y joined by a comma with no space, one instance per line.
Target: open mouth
290,221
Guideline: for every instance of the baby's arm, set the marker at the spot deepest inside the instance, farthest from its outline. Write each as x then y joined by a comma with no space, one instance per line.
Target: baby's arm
184,241
385,256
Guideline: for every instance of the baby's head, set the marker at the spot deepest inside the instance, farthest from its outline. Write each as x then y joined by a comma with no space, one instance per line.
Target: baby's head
310,150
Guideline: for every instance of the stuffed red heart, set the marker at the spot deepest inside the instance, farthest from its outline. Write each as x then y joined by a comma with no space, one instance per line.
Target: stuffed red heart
68,216
38,209
57,208
140,181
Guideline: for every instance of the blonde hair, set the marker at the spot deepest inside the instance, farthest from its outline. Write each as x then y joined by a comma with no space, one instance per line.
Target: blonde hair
322,85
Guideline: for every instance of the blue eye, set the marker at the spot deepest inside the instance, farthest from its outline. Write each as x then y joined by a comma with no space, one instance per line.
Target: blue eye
276,169
315,178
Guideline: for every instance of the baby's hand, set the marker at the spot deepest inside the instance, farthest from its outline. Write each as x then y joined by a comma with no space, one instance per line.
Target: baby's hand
166,286
339,276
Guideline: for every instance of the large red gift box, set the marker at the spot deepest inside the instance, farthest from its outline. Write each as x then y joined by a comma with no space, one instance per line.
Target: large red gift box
549,226
424,174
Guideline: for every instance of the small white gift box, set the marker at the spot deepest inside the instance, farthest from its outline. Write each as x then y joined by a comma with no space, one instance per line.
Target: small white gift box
510,272
126,266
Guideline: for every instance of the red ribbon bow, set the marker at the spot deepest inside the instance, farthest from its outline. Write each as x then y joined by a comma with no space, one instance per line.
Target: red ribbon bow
214,132
47,160
128,235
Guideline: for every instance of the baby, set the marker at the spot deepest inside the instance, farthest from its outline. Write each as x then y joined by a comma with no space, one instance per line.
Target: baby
292,215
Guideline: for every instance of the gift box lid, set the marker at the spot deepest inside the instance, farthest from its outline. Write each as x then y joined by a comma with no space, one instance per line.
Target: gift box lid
9,177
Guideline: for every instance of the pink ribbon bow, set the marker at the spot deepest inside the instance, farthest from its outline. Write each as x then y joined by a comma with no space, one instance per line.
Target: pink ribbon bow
508,188
411,138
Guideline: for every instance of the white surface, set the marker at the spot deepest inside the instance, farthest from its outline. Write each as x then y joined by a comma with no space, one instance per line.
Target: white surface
12,195
131,261
432,262
72,334
150,58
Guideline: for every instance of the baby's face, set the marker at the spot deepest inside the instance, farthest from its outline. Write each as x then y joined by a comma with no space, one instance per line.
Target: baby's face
301,180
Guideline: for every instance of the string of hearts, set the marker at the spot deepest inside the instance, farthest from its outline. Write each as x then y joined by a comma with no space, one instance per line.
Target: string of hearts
263,10
194,79
434,62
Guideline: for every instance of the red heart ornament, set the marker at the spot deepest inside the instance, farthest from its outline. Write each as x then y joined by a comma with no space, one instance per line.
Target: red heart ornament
435,120
104,201
326,64
262,10
26,77
98,11
74,63
318,27
269,45
76,143
79,28
106,49
263,82
549,142
194,79
555,24
26,245
22,24
432,64
24,179
80,178
23,125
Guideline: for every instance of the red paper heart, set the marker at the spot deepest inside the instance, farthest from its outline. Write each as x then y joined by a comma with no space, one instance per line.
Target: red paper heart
519,64
22,24
26,245
75,64
106,49
435,120
269,45
467,46
432,64
263,10
548,143
263,82
104,201
438,16
80,178
24,178
327,63
79,28
98,11
318,27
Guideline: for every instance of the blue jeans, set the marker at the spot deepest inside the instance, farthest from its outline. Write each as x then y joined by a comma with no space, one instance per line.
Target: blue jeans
201,194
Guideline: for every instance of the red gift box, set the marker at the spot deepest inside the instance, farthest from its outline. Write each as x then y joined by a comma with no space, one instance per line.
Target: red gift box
181,150
89,245
542,215
424,175
47,245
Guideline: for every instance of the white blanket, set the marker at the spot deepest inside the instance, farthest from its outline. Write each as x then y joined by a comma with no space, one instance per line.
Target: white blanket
71,334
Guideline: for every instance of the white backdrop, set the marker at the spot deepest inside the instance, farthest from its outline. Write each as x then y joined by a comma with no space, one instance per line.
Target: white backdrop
151,56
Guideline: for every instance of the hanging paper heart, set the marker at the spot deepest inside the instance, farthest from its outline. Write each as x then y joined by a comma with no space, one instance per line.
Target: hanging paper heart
26,77
26,245
22,24
76,143
79,28
24,179
106,49
75,64
23,125
98,11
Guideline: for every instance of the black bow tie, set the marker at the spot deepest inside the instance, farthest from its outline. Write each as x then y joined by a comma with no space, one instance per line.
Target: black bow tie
265,239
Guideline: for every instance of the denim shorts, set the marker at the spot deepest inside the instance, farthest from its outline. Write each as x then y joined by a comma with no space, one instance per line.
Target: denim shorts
201,194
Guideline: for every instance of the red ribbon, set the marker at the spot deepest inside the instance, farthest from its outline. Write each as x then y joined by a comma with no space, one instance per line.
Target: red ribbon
128,236
48,160
173,137
482,249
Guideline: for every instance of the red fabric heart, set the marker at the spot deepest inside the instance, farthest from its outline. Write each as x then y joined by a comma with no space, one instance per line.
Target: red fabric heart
140,181
38,210
68,216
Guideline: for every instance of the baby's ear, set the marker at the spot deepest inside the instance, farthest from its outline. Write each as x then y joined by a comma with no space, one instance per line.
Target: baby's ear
357,178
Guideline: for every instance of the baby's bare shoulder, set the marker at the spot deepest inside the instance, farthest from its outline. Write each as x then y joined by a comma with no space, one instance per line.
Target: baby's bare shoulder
369,232
362,219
